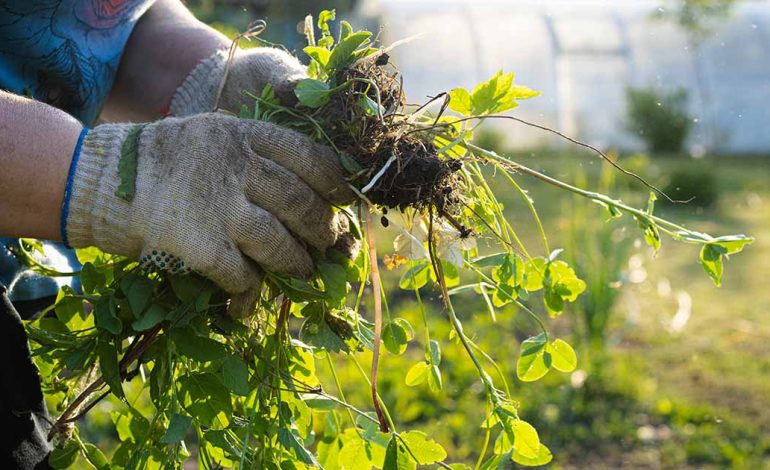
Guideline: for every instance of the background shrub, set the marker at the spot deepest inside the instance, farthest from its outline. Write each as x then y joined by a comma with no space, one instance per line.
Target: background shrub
660,119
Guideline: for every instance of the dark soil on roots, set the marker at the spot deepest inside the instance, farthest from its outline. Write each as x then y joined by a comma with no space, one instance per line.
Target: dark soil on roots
416,176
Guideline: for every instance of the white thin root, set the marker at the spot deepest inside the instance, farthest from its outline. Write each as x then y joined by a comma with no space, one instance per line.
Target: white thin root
379,174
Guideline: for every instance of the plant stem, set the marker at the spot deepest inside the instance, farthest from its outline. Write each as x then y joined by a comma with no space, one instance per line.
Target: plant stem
376,292
663,223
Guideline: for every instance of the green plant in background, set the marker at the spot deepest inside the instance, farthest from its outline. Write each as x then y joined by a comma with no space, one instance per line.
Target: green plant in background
249,393
697,17
659,119
696,184
599,254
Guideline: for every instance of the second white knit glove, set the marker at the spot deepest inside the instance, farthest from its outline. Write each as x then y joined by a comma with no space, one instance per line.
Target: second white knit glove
250,70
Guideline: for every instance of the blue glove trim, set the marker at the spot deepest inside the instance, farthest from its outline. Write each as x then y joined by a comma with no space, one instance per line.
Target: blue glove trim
65,208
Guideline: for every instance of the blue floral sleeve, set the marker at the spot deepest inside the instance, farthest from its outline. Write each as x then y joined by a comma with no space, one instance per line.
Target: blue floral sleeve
64,53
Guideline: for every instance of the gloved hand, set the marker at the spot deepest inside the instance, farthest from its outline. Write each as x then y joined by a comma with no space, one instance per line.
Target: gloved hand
250,70
222,196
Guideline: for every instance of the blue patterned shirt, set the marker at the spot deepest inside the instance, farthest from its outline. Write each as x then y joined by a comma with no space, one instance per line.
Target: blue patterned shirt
64,53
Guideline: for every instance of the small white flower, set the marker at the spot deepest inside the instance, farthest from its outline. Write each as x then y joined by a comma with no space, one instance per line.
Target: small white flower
450,244
412,243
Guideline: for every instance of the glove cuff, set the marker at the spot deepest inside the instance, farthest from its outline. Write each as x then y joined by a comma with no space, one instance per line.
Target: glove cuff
198,92
97,217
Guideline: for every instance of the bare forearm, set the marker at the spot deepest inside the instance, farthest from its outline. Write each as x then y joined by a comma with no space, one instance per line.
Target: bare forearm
36,146
166,44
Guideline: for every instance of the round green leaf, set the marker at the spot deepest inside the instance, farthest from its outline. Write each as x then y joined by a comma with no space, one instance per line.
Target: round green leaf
563,357
63,457
395,338
425,450
534,361
525,439
417,374
543,457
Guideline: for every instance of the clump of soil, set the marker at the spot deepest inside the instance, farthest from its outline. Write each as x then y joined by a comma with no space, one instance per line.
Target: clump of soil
416,176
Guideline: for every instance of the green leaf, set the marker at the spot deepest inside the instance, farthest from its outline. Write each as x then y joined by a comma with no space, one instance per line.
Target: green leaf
425,450
563,357
319,54
199,348
335,281
108,363
561,285
317,333
345,29
130,425
235,375
504,441
205,398
733,243
397,457
395,338
65,456
342,55
150,318
417,374
370,106
203,300
295,289
323,20
91,278
68,307
290,441
543,457
105,315
534,274
460,101
652,236
435,384
415,277
434,352
534,362
312,93
78,357
498,94
95,456
138,292
318,402
711,260
188,287
177,429
490,260
510,271
90,255
525,439
355,454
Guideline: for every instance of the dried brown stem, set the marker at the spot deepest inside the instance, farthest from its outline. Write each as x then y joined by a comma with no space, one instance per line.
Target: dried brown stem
134,351
375,273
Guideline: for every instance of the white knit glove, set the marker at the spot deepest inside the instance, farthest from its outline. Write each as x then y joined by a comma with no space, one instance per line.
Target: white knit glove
222,196
250,70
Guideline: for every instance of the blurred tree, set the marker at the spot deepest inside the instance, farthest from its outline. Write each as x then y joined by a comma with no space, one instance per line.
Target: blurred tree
283,16
699,18
660,119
